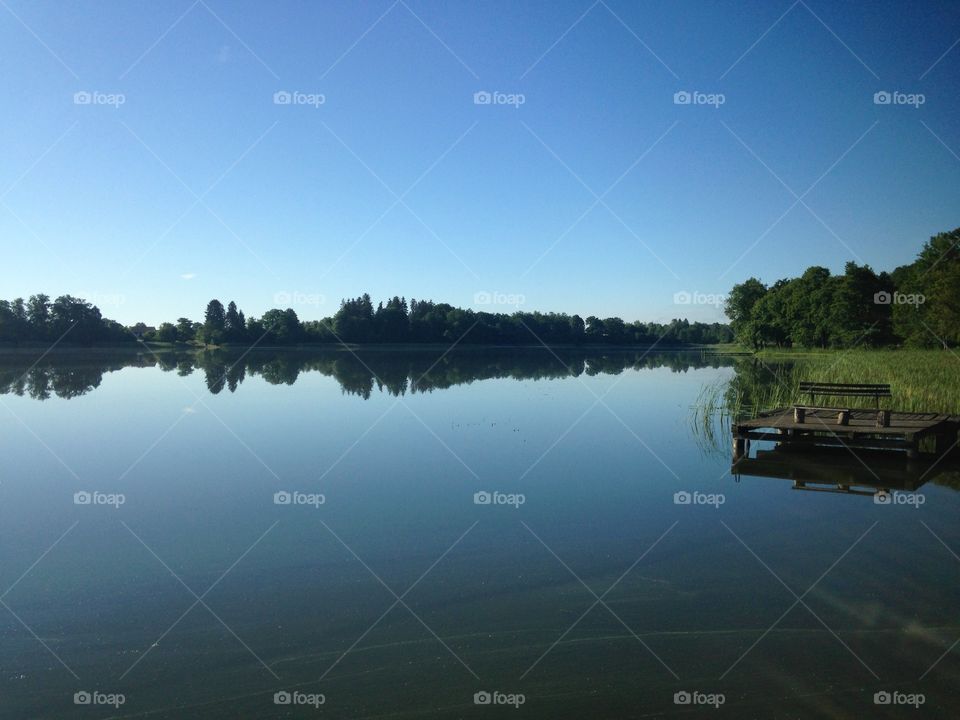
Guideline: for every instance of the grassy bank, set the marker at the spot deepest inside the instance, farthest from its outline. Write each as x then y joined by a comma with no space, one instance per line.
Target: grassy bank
920,380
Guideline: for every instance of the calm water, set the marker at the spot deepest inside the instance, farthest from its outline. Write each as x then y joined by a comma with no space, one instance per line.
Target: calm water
582,586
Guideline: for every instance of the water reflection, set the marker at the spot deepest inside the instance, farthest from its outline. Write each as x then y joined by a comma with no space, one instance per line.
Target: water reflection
359,373
841,470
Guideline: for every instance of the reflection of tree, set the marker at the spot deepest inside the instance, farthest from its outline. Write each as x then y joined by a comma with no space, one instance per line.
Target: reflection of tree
276,370
167,362
395,372
215,373
353,377
38,383
48,378
235,375
73,382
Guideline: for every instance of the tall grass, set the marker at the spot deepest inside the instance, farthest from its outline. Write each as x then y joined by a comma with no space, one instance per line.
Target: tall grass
920,381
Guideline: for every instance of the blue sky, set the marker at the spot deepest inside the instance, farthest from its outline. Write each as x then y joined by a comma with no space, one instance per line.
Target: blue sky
199,185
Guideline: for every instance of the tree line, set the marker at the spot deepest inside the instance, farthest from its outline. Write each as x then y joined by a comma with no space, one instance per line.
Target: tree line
42,320
425,321
356,321
915,305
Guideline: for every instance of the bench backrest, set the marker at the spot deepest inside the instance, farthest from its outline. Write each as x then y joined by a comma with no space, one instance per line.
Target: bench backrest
871,390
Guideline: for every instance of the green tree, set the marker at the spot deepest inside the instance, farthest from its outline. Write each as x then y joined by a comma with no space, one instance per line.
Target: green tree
595,329
214,322
234,324
392,321
186,330
739,306
282,326
614,330
577,329
354,321
167,333
82,319
38,315
931,314
854,315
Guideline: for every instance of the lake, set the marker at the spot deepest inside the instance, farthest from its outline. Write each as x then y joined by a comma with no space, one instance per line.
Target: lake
413,534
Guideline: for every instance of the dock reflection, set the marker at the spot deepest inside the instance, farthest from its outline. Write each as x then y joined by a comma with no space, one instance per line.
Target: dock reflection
844,470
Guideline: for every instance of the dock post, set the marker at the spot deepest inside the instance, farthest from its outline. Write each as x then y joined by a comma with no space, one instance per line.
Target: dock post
943,443
739,446
913,449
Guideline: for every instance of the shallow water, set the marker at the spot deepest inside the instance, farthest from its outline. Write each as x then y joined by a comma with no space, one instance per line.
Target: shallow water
583,586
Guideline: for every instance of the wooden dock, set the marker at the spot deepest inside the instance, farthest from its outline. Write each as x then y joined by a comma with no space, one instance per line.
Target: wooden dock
916,433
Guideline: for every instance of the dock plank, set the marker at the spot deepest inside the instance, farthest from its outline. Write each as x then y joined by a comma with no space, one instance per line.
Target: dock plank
860,421
820,427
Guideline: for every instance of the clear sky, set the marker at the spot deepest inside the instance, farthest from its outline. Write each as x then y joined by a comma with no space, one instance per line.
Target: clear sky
583,187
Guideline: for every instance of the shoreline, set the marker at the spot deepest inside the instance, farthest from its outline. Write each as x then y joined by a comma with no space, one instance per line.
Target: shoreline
142,348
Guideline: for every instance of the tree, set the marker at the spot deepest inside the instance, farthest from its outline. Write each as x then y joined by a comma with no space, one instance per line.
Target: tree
282,326
167,333
214,322
77,316
234,324
595,329
186,329
768,323
13,322
615,330
577,329
918,304
38,315
354,321
391,321
854,316
739,306
930,314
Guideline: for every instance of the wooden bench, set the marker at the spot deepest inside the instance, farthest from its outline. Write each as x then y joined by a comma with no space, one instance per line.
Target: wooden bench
868,390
